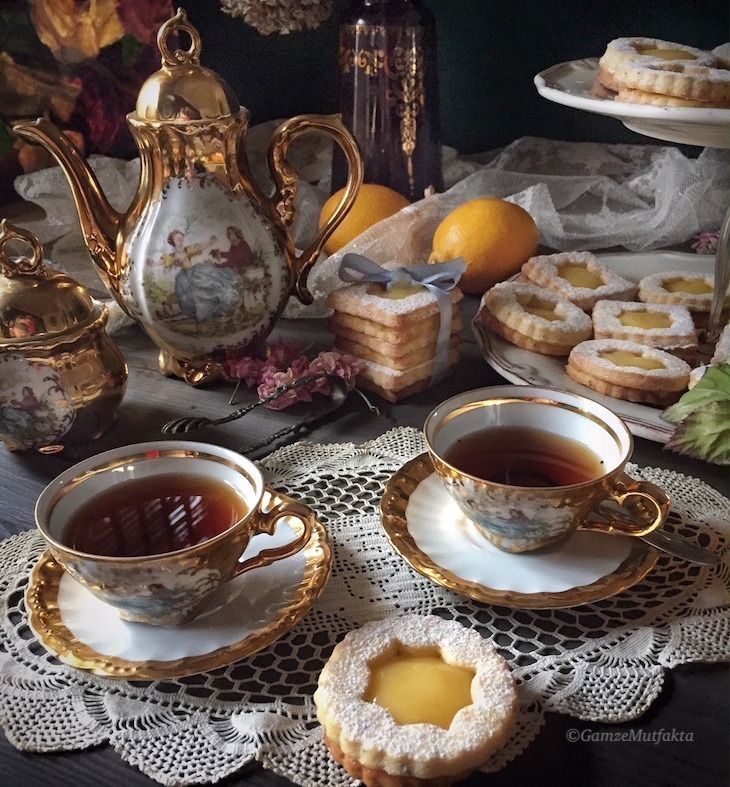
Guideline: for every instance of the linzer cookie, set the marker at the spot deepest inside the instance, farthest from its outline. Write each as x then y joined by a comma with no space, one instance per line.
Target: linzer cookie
403,324
415,701
579,277
534,318
628,370
657,325
693,290
652,71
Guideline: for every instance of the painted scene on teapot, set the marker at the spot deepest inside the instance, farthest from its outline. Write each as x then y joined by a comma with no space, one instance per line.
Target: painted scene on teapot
205,266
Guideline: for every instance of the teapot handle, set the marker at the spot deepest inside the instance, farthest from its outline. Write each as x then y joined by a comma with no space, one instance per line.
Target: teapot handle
285,182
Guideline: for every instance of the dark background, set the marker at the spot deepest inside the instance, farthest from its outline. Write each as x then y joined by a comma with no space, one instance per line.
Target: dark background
489,52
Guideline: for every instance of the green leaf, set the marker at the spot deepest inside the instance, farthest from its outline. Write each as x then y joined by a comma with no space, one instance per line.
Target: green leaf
130,48
7,140
705,434
713,387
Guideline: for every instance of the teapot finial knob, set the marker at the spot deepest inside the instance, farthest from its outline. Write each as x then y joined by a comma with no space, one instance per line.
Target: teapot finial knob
20,266
177,57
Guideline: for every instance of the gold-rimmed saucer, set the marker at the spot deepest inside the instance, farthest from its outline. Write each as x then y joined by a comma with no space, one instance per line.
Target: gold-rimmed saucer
245,615
448,550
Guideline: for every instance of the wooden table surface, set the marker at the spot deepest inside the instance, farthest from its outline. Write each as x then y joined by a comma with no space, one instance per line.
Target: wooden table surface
695,698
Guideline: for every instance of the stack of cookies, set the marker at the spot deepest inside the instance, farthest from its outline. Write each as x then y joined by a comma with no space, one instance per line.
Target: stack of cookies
394,332
640,351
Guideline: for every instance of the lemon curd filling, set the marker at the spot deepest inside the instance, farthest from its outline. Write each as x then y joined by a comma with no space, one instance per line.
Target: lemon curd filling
419,688
547,313
580,276
645,319
396,292
623,358
668,54
693,286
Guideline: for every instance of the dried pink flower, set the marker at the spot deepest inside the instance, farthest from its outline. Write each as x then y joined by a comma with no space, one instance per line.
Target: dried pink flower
246,368
705,242
283,353
274,380
343,365
284,366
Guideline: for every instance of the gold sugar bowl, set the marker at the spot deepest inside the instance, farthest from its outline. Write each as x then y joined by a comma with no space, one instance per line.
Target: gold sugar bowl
61,376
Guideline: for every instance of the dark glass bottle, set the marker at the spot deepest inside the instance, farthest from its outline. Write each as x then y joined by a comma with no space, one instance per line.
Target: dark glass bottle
389,94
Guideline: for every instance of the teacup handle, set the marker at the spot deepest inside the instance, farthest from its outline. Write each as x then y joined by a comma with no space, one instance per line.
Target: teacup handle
625,491
267,522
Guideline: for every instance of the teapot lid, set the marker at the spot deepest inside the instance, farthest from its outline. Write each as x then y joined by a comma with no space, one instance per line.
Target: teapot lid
182,90
36,303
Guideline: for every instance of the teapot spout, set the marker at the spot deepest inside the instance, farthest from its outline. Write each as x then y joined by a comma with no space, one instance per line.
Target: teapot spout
99,221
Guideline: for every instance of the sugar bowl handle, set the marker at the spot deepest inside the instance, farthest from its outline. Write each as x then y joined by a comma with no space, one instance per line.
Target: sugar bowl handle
19,265
267,523
285,182
177,57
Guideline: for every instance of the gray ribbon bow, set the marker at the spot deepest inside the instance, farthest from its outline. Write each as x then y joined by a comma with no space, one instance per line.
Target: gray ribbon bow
438,279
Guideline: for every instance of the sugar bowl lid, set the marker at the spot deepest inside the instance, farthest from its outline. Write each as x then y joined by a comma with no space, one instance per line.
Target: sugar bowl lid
36,303
183,90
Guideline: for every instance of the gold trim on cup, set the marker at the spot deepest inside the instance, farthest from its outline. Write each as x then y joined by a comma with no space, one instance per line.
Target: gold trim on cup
490,401
46,621
63,488
639,562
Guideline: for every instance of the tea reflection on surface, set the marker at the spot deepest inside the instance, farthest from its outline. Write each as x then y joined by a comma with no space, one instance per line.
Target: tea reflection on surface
524,456
154,516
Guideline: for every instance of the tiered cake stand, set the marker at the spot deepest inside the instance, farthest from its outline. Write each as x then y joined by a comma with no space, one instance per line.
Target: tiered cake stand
572,84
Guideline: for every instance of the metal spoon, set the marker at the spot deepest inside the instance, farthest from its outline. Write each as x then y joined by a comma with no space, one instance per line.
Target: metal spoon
314,412
319,406
663,540
677,546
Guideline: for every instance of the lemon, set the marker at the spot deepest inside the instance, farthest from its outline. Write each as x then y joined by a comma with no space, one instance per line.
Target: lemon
493,236
372,204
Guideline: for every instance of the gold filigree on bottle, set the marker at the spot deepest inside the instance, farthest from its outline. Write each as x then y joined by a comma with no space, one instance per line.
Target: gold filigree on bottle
389,94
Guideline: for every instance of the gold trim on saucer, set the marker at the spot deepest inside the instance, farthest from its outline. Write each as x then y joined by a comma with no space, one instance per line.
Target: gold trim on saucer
44,616
393,504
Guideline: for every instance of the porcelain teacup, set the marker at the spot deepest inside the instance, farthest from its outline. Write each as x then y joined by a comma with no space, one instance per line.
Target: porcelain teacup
164,587
522,518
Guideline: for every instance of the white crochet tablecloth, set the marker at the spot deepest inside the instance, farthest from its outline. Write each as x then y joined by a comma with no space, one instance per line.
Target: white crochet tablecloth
600,662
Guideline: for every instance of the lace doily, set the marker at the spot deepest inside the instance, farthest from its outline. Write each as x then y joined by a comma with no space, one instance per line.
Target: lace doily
583,195
600,662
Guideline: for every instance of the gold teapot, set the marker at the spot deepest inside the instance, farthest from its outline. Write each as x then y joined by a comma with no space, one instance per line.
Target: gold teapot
61,377
202,259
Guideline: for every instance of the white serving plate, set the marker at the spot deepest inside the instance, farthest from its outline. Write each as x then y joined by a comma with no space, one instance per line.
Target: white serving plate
571,84
528,368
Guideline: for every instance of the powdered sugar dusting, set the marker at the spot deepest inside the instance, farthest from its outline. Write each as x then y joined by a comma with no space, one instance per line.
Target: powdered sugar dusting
594,349
507,302
368,731
355,299
653,289
680,331
545,270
